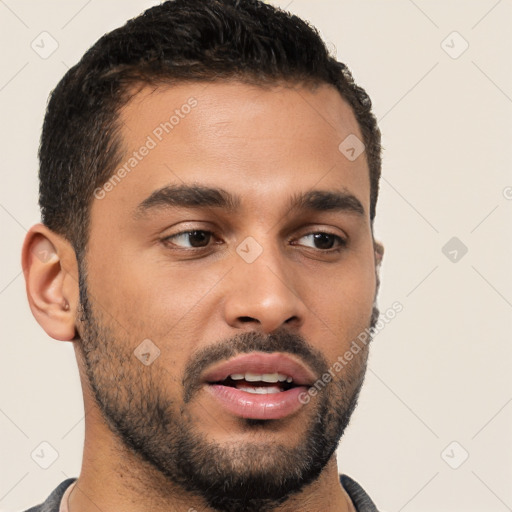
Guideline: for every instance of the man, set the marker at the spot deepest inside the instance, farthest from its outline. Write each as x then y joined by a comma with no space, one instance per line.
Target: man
208,184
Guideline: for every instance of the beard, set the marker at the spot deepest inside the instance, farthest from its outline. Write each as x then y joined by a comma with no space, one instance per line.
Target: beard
248,476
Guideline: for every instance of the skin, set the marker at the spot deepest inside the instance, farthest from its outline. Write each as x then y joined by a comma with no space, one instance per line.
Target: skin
264,146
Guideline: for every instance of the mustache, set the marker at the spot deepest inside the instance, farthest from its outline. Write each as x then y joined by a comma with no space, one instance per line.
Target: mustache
278,341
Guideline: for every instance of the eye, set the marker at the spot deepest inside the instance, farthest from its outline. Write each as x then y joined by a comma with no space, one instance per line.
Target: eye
190,239
322,241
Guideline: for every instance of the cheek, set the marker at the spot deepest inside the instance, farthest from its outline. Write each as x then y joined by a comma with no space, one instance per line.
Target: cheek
143,287
170,305
344,305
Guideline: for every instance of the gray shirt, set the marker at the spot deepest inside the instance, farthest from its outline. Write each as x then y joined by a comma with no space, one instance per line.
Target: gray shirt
361,500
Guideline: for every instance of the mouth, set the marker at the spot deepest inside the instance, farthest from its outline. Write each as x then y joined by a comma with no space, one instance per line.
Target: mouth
259,385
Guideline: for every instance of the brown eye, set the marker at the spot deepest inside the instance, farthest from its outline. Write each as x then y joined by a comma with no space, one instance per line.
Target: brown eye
321,241
191,239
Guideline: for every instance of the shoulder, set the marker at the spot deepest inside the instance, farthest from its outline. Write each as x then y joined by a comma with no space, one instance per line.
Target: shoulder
52,503
358,495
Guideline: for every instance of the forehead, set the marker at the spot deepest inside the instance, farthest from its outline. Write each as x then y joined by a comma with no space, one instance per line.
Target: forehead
260,143
234,109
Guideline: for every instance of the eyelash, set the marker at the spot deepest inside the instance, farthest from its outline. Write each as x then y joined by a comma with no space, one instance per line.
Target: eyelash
341,242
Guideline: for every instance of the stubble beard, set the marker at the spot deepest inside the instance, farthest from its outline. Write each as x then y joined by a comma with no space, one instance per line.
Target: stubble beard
249,477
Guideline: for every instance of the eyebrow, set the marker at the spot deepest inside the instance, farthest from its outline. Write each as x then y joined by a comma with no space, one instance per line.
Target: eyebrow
197,196
188,196
327,200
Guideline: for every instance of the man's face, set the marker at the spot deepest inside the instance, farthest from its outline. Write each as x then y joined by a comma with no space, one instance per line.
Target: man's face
238,243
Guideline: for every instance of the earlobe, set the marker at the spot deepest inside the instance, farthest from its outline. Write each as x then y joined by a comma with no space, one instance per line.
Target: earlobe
51,279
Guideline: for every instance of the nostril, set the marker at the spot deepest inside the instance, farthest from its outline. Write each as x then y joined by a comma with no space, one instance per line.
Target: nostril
246,319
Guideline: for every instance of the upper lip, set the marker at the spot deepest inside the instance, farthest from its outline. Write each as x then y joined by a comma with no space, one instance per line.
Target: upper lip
260,363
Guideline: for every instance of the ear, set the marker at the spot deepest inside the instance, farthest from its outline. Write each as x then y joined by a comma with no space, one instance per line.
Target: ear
51,278
378,249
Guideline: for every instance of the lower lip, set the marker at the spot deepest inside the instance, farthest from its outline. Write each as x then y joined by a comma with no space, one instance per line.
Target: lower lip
271,406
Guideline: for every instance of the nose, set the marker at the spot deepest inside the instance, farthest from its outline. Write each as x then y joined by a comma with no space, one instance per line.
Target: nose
263,295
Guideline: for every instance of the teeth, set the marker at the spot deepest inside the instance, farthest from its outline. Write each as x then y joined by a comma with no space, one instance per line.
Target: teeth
264,377
260,391
253,377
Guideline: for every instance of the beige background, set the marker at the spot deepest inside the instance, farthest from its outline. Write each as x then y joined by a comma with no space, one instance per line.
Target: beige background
440,371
